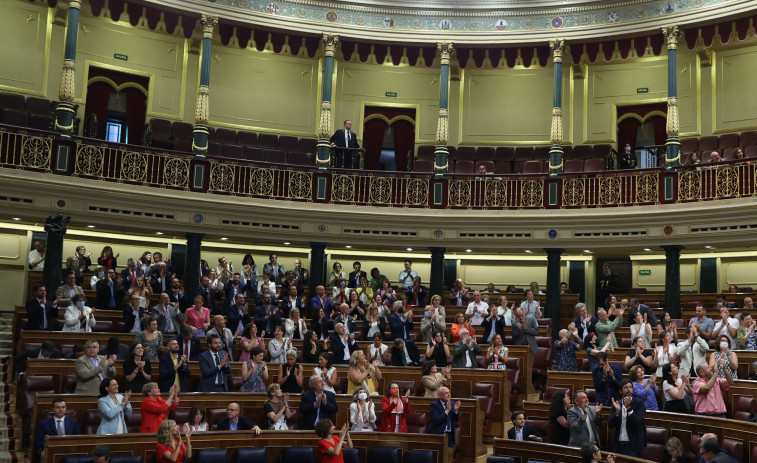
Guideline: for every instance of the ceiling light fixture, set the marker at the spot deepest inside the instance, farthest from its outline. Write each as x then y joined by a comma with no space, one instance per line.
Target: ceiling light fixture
287,243
647,249
158,233
708,247
90,226
16,218
348,247
587,250
469,250
409,249
528,251
224,238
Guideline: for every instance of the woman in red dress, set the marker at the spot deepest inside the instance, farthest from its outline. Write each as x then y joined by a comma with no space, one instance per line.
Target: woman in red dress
330,445
394,410
154,408
170,447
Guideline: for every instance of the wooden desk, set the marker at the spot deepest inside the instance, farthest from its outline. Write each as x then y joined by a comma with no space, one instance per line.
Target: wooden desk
274,442
548,452
679,425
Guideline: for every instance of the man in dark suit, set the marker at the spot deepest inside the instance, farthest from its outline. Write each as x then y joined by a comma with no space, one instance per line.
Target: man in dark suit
525,330
344,138
633,307
47,351
465,351
234,287
238,314
416,296
356,275
267,316
115,347
214,365
584,322
234,422
628,420
168,315
342,345
521,430
109,292
189,344
405,353
401,321
291,300
444,412
320,300
174,369
130,274
316,404
493,325
161,278
133,314
41,313
607,380
57,425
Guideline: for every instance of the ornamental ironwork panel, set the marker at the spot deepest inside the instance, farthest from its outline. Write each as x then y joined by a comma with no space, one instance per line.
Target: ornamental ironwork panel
36,152
134,167
89,160
221,178
690,185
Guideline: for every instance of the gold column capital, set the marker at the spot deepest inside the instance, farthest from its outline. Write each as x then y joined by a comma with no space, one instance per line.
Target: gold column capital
671,33
558,47
330,41
74,4
208,25
445,51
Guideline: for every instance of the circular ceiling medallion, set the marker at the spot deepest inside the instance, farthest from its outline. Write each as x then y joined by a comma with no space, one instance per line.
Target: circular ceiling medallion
321,228
198,218
388,22
445,24
501,25
552,234
556,22
331,16
272,8
438,233
60,204
613,17
668,230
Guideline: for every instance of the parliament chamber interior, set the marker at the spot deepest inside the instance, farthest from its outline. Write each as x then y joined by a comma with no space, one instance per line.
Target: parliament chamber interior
488,231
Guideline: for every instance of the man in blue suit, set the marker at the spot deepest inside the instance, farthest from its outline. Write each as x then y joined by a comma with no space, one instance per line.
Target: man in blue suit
234,422
401,322
214,365
189,344
41,313
444,412
628,420
321,300
174,369
316,404
606,379
57,425
130,274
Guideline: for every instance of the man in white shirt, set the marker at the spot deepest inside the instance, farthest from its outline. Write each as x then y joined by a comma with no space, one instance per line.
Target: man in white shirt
37,256
726,326
57,425
408,275
344,138
531,307
477,310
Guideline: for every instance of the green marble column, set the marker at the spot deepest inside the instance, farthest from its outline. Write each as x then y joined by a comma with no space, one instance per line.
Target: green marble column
192,264
55,227
672,144
64,110
323,160
202,111
436,282
552,309
556,151
673,280
441,153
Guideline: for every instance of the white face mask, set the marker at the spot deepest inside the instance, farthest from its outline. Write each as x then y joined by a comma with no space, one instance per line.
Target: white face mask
362,396
724,345
628,149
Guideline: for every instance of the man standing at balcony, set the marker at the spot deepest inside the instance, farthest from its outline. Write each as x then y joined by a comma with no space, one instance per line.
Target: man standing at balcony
344,138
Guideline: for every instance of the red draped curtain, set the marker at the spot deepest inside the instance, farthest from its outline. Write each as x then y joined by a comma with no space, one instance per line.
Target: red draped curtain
136,108
630,119
627,130
98,94
373,139
404,141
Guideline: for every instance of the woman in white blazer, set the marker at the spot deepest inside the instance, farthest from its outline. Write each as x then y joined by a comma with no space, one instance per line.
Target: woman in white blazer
78,316
295,327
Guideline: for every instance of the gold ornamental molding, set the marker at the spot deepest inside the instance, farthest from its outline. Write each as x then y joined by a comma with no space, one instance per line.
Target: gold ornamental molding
202,111
67,81
445,52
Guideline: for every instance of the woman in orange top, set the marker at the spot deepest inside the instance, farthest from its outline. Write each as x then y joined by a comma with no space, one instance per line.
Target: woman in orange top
459,324
154,408
170,447
330,446
394,409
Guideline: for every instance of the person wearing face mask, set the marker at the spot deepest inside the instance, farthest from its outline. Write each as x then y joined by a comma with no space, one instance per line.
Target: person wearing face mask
79,317
627,159
432,322
724,352
98,275
362,412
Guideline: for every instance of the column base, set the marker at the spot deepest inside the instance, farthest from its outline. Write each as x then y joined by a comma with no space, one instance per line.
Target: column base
441,160
200,140
65,113
672,152
323,156
556,165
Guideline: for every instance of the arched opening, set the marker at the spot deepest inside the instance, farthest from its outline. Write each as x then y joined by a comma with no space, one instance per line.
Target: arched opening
116,106
388,137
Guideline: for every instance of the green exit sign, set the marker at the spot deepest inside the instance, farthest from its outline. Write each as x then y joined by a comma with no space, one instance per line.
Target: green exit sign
391,94
642,90
645,272
121,57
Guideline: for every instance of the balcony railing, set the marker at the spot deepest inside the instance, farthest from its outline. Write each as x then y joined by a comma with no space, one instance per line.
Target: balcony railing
94,159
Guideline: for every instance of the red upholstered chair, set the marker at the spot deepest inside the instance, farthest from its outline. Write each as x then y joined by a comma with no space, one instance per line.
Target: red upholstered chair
541,425
404,385
464,167
417,422
29,386
235,383
288,142
591,394
133,421
226,136
504,167
544,341
748,138
584,365
214,149
91,421
594,165
745,406
543,361
514,372
232,151
734,447
753,457
541,153
213,416
533,167
709,143
465,153
424,166
484,392
275,156
656,439
601,151
523,154
620,364
750,151
39,122
38,106
307,145
69,384
11,117
426,153
245,138
689,145
180,415
103,326
728,140
485,153
549,391
297,158
573,166
583,152
504,153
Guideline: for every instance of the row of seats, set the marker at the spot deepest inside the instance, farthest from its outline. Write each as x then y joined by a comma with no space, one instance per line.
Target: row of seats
467,167
289,455
32,112
726,144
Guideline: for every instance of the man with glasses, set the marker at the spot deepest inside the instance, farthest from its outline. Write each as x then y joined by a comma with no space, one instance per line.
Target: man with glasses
234,422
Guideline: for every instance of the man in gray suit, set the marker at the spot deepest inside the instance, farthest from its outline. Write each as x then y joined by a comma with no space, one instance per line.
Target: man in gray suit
584,420
525,330
168,316
465,351
91,368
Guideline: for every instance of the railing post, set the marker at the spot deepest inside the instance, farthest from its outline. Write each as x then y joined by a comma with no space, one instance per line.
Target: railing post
441,153
556,151
672,144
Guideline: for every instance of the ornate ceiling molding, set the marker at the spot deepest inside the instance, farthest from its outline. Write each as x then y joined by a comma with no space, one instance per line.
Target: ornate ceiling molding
484,22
